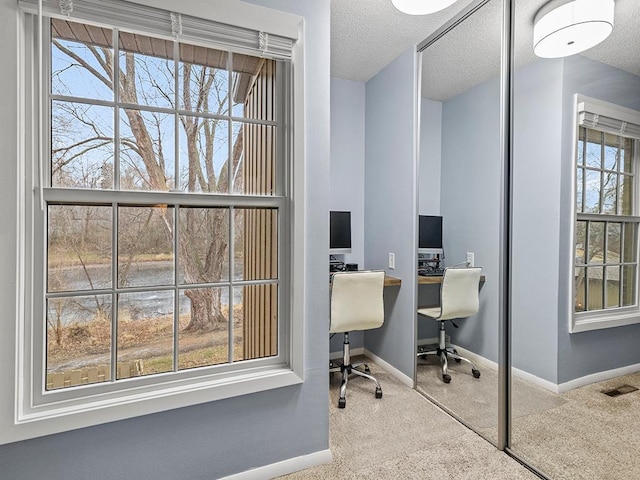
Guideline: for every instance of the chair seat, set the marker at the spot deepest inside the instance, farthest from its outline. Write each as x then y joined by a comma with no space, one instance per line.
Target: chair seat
433,312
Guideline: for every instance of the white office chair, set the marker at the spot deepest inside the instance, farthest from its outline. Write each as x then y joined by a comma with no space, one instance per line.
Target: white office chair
356,304
458,299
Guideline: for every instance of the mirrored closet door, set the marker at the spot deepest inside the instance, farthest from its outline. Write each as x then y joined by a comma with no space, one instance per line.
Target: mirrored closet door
460,181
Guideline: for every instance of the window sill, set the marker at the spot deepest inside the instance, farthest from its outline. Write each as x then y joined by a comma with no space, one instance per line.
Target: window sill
609,319
62,416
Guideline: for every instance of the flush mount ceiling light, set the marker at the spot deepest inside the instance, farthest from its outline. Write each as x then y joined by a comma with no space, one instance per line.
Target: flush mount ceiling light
565,27
421,7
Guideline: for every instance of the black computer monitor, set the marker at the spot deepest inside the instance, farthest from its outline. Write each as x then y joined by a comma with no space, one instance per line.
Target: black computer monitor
430,234
339,232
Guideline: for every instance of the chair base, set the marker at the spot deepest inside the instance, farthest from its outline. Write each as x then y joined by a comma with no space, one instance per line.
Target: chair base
444,353
345,367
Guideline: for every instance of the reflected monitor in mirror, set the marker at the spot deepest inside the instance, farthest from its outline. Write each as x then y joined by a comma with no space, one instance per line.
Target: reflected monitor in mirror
430,234
339,232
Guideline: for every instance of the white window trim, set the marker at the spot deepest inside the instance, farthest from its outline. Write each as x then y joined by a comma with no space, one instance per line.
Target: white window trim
20,419
588,321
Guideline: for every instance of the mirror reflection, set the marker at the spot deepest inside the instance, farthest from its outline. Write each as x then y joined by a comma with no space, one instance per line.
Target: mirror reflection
460,185
575,312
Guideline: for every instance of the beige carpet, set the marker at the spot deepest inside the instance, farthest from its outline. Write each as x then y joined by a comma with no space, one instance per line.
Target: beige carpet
404,436
589,436
475,400
582,434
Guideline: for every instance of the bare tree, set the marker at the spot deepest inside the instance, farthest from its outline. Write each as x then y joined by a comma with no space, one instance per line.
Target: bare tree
203,236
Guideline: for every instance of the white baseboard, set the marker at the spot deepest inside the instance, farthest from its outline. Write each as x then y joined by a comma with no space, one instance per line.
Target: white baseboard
285,467
404,379
546,384
598,377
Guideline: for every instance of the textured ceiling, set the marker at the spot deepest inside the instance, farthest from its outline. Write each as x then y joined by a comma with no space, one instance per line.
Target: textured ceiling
366,35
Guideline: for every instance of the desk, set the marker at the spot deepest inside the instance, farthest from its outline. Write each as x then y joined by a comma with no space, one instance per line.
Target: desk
390,281
435,279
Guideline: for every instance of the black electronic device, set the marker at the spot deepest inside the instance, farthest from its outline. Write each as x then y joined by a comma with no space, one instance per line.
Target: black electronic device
430,234
339,232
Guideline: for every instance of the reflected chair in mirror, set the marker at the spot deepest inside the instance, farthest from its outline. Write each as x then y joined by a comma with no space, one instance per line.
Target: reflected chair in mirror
356,304
459,298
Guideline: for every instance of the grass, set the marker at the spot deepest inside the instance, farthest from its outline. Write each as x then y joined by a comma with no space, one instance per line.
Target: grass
150,340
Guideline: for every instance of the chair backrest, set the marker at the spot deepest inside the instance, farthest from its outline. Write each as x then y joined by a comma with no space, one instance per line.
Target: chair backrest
459,292
357,301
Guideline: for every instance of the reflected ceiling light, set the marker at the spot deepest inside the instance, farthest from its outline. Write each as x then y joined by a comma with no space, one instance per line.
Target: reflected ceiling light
566,27
421,7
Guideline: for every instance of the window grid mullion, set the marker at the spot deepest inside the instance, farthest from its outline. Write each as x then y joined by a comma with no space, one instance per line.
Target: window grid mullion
587,252
176,290
232,278
114,294
116,109
176,125
605,263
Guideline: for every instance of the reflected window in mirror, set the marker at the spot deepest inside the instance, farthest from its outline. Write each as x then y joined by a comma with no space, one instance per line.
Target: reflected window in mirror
607,217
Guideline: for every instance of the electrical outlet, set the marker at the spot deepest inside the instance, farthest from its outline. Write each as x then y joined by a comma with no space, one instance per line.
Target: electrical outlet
470,259
392,260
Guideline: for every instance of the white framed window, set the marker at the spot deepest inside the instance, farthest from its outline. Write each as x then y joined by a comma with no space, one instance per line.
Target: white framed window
607,215
159,266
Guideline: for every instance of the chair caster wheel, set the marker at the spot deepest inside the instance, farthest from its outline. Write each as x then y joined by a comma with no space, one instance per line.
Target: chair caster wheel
378,392
446,378
476,373
342,402
456,359
367,370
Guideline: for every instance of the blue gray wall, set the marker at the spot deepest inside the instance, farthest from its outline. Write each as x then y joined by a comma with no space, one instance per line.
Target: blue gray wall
391,204
219,438
543,171
470,204
347,173
536,217
600,350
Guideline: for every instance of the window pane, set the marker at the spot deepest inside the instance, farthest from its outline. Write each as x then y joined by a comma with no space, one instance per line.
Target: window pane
627,155
81,60
614,231
204,327
147,150
592,191
78,248
254,87
596,242
78,340
580,285
581,239
204,245
626,195
204,155
629,254
256,244
145,333
580,152
238,324
258,160
613,286
611,153
596,290
610,193
579,190
628,285
81,145
147,74
204,80
260,321
594,149
145,246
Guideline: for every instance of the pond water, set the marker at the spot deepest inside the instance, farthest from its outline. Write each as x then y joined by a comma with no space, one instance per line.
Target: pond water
133,305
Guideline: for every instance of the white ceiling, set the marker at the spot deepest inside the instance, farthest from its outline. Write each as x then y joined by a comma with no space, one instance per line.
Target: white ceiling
366,35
